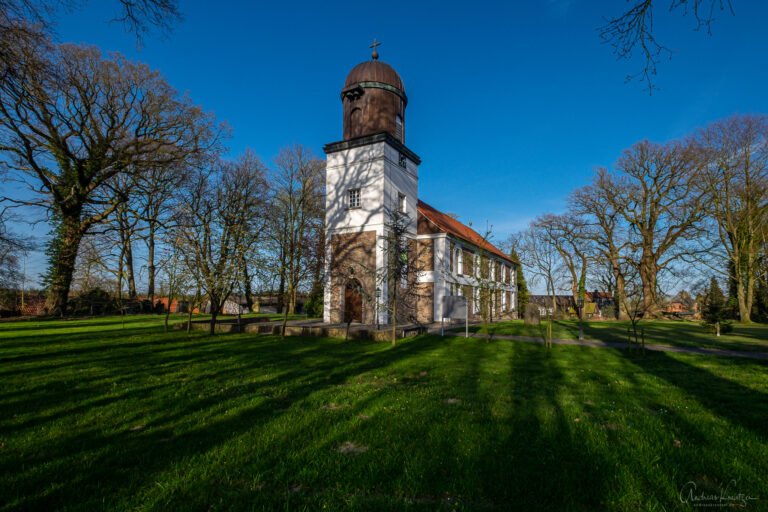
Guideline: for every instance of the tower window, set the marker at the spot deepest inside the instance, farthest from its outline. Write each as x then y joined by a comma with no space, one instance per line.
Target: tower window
401,203
399,128
353,199
403,161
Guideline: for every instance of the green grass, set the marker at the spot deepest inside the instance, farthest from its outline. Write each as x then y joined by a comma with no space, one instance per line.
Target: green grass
748,337
97,416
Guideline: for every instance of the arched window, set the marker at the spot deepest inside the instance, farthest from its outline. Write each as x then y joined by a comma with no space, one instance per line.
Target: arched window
399,128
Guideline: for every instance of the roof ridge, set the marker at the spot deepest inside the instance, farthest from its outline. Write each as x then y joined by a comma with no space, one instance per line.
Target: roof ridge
448,224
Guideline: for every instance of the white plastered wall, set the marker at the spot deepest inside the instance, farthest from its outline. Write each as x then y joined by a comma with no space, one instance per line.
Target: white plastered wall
375,170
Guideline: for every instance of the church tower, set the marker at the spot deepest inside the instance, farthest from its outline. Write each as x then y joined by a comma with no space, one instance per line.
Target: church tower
368,174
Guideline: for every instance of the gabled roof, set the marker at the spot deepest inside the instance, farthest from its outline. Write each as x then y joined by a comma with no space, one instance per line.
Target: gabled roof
447,224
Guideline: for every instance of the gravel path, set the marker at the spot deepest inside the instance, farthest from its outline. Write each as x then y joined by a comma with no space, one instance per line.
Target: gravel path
621,345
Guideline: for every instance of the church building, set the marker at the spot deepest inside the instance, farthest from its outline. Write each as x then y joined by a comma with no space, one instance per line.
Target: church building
371,174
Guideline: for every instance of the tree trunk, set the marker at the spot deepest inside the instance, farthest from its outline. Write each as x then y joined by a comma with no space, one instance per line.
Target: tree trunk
64,266
214,315
745,304
292,300
621,295
120,274
394,317
129,270
168,311
648,274
151,266
247,287
281,292
190,308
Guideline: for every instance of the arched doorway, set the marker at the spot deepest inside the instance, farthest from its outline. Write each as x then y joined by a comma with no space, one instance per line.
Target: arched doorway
353,302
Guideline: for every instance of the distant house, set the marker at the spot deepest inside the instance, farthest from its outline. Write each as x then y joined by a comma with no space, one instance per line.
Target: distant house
596,304
176,305
682,305
564,304
11,303
234,305
604,304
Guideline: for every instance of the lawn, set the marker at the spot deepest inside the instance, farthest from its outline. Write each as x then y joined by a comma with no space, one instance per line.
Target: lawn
97,415
747,337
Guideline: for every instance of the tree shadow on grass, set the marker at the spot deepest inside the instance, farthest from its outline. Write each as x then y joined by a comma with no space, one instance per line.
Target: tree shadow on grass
489,434
680,334
82,466
543,461
735,402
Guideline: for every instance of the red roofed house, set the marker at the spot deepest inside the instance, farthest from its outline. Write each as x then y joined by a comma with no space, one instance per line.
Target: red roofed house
370,173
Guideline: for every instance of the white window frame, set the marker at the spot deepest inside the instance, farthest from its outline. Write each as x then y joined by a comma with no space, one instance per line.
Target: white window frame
402,202
459,261
354,198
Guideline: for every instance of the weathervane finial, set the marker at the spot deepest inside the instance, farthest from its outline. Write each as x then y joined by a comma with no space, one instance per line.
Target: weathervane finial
375,53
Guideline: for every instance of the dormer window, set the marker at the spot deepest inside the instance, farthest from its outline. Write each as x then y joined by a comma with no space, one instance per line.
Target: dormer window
353,198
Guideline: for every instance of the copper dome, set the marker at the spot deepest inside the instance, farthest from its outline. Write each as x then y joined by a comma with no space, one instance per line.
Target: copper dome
374,71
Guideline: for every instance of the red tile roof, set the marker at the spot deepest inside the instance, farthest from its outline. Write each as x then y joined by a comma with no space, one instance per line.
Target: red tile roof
448,224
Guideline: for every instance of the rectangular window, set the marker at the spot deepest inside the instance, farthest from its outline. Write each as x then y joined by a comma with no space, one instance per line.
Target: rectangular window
353,199
403,161
401,204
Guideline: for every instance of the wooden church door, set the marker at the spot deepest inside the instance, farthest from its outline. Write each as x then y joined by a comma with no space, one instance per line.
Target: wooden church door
353,302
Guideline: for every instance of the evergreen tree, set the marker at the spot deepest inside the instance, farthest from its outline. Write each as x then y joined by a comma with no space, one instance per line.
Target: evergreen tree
522,286
714,307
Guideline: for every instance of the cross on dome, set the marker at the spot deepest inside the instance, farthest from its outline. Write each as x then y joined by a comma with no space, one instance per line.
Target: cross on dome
375,53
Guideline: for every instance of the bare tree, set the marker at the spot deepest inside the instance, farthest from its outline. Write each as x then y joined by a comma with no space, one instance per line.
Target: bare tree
597,204
541,259
736,185
72,121
218,211
660,202
298,210
11,245
567,234
633,30
486,273
152,205
137,15
399,273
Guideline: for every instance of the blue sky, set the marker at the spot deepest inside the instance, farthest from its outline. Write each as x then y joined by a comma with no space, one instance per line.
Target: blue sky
511,104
